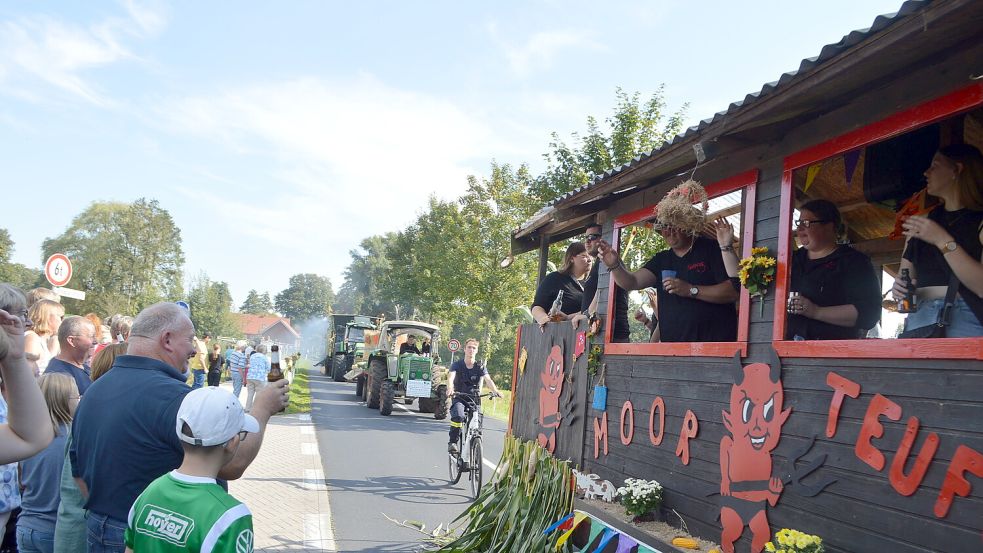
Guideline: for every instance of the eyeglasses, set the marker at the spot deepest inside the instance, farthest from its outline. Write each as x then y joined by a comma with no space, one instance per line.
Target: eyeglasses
802,223
593,236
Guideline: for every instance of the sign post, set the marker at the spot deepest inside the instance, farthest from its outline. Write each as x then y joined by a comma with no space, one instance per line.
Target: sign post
58,271
453,344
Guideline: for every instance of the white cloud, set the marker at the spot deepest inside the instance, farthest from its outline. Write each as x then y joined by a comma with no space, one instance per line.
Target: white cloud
542,48
41,48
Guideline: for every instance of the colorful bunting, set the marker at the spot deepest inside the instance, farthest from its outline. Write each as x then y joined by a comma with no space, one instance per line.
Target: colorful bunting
850,160
811,175
595,530
625,544
608,535
561,524
578,517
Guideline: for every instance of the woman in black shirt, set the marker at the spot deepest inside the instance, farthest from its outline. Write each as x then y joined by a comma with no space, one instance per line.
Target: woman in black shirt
569,279
839,295
949,239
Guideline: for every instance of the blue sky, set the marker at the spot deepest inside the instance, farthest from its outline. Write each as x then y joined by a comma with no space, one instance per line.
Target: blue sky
280,134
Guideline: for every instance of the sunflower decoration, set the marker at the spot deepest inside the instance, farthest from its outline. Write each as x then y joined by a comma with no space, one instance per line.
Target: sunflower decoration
757,273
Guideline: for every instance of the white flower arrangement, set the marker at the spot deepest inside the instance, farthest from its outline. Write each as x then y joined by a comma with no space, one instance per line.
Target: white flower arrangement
640,496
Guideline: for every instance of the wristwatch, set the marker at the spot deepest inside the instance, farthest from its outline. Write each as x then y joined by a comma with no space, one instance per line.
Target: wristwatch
949,247
693,291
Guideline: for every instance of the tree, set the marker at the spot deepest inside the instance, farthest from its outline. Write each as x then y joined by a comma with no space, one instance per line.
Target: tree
125,256
308,296
257,304
16,274
211,308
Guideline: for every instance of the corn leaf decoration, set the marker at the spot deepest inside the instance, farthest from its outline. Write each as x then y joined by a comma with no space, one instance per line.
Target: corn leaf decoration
530,491
757,273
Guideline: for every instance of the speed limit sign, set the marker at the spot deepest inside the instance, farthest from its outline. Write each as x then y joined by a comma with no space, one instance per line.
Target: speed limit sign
453,344
58,269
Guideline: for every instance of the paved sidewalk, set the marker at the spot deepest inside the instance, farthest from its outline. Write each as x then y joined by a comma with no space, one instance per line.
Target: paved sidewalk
285,490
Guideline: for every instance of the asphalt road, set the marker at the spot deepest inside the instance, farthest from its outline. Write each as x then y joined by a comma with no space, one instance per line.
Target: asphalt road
395,466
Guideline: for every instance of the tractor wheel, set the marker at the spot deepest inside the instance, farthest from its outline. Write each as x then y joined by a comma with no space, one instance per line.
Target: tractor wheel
359,386
388,390
426,405
338,368
440,406
324,368
377,374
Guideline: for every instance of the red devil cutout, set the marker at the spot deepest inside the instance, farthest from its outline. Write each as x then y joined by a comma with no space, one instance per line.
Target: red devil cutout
755,424
549,398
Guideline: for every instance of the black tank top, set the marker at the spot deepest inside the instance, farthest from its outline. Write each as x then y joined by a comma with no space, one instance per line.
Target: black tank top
931,268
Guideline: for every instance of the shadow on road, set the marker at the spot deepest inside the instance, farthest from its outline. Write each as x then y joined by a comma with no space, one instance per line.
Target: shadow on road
407,489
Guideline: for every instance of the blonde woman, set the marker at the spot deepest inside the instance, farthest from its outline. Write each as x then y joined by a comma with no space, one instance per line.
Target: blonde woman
41,342
103,361
40,475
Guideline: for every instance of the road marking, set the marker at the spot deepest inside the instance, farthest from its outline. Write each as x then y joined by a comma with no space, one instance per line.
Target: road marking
317,532
314,480
304,417
307,430
486,462
308,448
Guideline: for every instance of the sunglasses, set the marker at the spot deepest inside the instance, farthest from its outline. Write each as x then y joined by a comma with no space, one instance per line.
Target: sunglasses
801,223
593,236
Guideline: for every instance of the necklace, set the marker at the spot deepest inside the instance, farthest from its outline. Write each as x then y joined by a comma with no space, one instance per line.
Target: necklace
689,249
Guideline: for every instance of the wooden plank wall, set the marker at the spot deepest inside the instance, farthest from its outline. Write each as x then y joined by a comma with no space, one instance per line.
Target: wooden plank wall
532,403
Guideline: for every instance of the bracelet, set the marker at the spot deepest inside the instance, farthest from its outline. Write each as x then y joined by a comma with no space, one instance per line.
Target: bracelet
620,265
726,248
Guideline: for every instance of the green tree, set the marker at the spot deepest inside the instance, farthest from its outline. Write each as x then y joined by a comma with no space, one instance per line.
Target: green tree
257,304
308,296
125,256
211,308
369,277
17,274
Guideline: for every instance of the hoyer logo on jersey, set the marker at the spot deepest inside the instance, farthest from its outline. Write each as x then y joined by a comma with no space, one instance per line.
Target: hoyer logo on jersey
165,524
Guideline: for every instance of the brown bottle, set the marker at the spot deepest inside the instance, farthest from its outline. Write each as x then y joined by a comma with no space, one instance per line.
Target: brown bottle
907,302
275,372
557,308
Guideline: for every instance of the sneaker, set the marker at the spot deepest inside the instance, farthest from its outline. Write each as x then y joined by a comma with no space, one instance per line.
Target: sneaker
452,448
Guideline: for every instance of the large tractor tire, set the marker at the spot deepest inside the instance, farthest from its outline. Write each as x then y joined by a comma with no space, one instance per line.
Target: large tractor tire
426,405
387,391
338,368
378,373
360,387
440,405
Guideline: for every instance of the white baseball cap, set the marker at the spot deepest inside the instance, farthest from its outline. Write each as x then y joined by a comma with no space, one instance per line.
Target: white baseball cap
214,417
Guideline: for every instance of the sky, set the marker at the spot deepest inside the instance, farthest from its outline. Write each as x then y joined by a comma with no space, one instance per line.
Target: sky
280,134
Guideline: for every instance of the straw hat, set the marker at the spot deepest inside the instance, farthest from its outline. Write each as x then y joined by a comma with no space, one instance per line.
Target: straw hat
677,209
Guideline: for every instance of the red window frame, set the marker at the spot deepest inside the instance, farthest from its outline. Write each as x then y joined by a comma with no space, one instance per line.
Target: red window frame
747,181
923,114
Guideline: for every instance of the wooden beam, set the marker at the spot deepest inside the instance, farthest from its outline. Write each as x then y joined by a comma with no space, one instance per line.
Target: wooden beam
544,254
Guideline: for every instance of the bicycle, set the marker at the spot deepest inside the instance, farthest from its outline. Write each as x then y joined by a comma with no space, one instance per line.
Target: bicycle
468,456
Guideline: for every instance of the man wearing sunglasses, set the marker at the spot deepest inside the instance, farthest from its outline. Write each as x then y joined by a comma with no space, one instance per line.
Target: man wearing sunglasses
589,305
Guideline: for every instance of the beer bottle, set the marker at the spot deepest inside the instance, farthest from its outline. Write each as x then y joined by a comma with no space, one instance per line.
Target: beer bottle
557,308
907,302
275,372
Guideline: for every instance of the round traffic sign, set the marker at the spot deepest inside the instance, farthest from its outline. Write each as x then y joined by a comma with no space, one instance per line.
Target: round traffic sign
453,344
58,269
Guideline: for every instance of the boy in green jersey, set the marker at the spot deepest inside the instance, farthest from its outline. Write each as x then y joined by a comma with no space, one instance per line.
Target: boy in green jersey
186,510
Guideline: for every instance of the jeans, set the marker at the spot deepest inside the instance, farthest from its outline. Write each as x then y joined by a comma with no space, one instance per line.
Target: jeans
236,382
962,322
105,534
34,541
199,379
253,386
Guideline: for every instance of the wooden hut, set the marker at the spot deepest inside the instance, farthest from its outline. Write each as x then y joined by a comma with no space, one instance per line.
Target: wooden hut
882,449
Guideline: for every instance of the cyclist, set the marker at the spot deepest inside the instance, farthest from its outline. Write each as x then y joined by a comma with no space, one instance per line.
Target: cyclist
465,377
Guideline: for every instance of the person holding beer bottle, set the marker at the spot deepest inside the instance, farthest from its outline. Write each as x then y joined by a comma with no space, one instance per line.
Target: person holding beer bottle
568,279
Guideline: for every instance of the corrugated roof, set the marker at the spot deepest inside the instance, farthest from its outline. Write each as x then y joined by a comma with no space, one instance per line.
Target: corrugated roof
807,66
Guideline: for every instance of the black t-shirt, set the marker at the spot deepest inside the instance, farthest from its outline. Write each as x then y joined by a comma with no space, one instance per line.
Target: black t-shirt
405,347
843,277
573,292
686,319
467,380
621,330
931,268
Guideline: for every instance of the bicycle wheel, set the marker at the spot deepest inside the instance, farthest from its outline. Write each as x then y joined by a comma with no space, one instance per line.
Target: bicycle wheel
477,465
454,464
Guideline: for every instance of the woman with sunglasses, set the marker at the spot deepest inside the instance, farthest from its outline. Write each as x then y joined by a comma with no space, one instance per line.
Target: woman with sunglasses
838,295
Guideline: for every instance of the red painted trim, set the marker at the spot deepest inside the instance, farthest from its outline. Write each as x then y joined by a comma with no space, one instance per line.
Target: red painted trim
515,373
937,348
681,349
923,114
899,123
750,179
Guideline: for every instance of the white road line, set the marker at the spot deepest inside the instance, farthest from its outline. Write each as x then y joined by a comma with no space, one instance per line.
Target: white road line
487,463
307,430
308,448
314,480
317,532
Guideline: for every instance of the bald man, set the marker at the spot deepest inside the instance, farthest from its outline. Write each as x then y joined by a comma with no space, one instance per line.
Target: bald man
124,433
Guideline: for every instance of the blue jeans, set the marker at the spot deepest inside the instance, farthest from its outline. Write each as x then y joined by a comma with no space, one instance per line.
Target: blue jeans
236,382
34,541
105,535
199,379
962,322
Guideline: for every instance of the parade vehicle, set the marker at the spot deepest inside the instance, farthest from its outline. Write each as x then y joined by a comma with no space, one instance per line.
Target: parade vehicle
346,343
385,376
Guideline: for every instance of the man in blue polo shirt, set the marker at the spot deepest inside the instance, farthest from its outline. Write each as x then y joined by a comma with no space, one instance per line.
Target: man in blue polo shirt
76,336
123,434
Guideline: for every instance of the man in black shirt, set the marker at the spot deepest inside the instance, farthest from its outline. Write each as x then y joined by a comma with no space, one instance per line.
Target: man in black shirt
465,377
409,346
696,297
589,304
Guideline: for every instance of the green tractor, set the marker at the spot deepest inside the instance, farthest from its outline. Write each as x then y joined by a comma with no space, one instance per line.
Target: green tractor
346,343
389,376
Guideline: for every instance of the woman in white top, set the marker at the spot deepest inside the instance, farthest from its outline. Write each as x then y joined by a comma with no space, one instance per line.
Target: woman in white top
41,342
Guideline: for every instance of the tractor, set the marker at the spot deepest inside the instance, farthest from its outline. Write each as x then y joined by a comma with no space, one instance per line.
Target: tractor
346,339
386,376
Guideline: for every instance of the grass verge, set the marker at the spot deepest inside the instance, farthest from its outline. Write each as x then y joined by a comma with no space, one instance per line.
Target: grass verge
300,389
498,408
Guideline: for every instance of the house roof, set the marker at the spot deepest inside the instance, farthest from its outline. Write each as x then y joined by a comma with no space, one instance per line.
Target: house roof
252,325
285,323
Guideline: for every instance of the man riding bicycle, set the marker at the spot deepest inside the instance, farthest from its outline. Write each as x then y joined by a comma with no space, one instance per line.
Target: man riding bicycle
465,377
